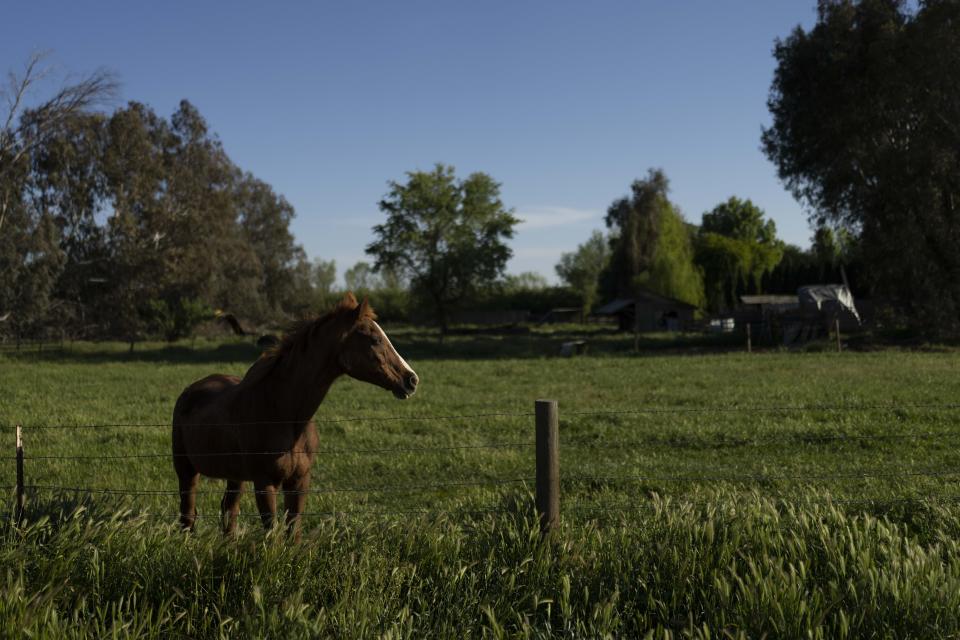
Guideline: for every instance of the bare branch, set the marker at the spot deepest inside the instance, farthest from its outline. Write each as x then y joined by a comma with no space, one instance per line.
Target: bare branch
17,87
36,123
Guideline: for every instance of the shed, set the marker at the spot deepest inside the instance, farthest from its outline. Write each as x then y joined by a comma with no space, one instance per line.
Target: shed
771,303
656,312
762,311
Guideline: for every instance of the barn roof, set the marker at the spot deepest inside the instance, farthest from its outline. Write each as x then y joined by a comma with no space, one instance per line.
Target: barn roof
644,298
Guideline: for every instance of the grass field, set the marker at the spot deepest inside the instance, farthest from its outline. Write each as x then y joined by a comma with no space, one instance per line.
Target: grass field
704,492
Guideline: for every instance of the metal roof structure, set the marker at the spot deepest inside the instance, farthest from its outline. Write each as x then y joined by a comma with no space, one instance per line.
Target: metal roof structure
771,299
647,298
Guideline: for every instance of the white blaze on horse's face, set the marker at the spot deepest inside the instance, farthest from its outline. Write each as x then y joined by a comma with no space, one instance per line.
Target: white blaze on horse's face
407,375
368,355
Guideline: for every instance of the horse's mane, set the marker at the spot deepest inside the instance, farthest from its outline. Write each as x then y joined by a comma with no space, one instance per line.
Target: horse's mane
299,331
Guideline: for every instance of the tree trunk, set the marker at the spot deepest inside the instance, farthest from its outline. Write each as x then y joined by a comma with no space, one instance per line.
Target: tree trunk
442,321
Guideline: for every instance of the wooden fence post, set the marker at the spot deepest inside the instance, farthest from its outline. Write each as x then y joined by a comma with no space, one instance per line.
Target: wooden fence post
548,464
749,345
18,512
837,327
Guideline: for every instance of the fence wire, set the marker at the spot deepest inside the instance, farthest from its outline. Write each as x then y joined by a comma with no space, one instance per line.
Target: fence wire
168,425
326,451
407,488
761,477
677,441
810,408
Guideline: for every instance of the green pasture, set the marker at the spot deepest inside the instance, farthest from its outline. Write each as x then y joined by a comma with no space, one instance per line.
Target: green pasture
703,491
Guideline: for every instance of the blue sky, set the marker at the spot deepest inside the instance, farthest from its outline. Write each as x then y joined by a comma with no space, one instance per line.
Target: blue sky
564,103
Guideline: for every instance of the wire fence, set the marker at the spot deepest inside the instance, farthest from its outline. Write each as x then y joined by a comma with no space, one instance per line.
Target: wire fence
610,439
716,409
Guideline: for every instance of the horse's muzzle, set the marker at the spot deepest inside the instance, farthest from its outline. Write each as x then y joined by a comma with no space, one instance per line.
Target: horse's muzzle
409,387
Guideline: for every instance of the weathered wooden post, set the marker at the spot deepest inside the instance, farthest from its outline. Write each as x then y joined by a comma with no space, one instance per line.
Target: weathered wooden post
18,512
836,324
749,345
548,464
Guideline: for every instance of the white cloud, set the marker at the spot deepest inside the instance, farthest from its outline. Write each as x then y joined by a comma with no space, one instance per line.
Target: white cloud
545,217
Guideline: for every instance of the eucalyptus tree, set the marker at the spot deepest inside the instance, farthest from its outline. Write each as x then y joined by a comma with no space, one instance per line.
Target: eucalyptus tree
31,256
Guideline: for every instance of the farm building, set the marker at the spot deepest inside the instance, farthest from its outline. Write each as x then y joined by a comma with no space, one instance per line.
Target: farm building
656,312
762,305
562,314
811,312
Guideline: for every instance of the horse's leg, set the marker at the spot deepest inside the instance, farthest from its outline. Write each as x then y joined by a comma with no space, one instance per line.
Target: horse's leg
187,477
230,505
266,502
294,499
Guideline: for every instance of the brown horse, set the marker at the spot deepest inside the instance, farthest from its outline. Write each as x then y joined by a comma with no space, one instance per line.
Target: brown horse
260,427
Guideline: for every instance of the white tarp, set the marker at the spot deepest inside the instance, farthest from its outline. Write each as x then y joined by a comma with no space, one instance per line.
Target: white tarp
829,300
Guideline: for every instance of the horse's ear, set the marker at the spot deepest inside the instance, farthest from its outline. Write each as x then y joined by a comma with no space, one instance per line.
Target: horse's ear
359,312
349,301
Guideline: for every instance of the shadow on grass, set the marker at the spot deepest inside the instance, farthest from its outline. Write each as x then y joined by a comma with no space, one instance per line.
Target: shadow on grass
95,353
414,343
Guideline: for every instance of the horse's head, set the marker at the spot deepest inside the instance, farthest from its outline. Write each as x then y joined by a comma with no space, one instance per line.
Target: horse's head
367,354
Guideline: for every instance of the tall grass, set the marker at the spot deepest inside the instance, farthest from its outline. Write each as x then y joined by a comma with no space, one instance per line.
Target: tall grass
685,523
738,567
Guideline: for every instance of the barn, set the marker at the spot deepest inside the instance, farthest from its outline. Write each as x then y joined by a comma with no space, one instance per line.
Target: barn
656,312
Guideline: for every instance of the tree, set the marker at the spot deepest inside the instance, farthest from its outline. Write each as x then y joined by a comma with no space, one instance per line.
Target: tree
674,271
651,246
361,277
866,132
634,223
445,234
25,128
130,224
265,217
32,259
736,248
176,232
323,275
525,281
796,268
741,220
581,269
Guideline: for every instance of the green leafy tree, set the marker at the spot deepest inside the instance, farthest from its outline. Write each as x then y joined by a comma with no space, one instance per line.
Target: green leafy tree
651,245
673,271
361,278
34,212
23,128
797,267
580,270
324,275
866,132
735,249
264,218
524,281
131,224
446,235
634,222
